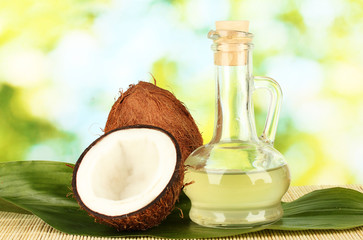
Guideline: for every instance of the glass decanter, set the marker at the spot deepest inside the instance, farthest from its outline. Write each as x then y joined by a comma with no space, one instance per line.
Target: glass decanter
237,180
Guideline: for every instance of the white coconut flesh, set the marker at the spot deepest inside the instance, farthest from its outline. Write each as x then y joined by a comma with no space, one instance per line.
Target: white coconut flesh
126,170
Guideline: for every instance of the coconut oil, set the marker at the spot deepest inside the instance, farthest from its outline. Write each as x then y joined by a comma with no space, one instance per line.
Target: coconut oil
237,180
235,198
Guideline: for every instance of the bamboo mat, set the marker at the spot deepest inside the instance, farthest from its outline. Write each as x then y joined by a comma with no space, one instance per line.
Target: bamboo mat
15,226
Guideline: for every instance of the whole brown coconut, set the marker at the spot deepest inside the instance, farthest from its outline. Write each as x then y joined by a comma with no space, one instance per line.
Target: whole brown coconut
147,104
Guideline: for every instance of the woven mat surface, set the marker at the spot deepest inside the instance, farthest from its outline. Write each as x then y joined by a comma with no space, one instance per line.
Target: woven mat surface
26,227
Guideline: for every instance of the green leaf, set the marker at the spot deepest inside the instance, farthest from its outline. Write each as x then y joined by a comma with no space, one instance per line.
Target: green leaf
9,207
43,188
332,208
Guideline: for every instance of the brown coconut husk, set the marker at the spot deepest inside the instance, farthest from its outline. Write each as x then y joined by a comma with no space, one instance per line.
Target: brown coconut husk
145,103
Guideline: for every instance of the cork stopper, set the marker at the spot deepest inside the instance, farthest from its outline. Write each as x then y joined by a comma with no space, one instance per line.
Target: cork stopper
233,25
232,43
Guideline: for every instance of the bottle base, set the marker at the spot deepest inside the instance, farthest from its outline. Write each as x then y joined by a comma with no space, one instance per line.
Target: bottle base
239,218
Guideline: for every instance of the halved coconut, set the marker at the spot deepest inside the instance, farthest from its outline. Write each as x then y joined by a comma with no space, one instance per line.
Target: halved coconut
130,177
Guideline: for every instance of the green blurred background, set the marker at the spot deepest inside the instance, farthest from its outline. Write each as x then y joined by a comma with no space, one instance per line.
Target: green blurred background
62,64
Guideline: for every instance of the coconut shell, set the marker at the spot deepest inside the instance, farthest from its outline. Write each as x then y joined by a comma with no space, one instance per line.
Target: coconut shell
145,103
154,212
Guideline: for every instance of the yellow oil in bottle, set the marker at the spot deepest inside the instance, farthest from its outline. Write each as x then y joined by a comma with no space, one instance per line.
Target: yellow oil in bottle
236,199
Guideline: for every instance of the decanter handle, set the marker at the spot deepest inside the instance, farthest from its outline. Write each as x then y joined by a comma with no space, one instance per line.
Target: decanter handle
269,132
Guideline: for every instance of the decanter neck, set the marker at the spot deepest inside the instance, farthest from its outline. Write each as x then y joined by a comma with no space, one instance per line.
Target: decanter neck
234,116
